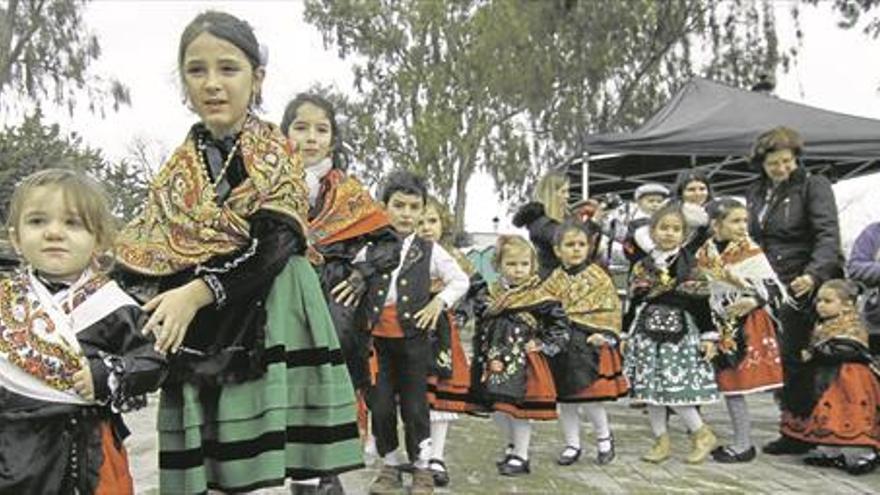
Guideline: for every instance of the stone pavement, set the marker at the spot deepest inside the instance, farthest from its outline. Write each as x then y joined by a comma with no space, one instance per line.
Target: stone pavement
473,446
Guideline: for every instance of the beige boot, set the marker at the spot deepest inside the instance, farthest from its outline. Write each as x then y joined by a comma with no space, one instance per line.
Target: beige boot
387,482
704,441
660,451
422,482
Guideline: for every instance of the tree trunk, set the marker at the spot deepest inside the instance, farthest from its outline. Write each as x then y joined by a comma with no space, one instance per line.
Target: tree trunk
461,181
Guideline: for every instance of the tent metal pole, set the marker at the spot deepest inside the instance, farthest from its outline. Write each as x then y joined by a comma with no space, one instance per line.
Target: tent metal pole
585,175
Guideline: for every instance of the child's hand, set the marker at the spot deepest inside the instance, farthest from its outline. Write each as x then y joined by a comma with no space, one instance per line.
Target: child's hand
173,311
709,349
742,307
349,291
426,319
82,381
533,346
806,355
496,366
622,347
596,339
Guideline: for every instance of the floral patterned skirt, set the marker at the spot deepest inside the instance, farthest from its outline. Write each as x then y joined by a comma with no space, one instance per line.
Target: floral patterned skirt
761,367
669,373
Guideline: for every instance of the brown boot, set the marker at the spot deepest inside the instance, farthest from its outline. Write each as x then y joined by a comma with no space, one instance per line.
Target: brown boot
704,441
422,482
388,482
660,451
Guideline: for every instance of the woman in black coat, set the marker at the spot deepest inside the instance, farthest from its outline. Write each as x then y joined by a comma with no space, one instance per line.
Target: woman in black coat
793,216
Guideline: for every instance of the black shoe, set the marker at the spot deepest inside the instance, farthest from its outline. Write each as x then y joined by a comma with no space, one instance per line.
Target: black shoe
507,454
510,468
786,445
606,457
863,465
568,456
726,455
826,461
327,486
439,472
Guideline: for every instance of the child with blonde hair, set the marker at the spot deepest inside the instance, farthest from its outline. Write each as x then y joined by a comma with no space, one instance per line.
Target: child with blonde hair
72,356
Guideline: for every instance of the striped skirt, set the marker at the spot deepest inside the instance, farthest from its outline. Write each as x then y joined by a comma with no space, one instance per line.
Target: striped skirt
297,421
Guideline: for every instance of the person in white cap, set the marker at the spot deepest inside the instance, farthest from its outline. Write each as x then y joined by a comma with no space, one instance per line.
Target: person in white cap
649,198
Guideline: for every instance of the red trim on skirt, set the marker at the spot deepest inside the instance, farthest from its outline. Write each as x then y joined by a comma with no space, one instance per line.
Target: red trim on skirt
847,414
540,400
451,394
761,367
114,477
611,383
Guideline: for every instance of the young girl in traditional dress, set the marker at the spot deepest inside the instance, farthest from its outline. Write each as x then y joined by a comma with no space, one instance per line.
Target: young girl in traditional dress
258,390
449,379
741,284
589,370
519,324
72,356
667,359
841,413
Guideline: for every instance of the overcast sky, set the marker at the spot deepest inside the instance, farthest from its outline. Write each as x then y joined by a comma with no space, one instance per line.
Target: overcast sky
837,70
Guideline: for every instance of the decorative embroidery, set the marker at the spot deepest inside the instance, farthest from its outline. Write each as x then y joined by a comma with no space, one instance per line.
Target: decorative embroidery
588,297
182,225
847,325
26,335
119,400
349,211
230,265
217,288
530,293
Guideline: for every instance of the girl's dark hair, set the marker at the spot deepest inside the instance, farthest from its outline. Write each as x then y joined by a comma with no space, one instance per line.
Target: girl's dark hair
776,139
718,209
227,27
403,181
569,226
670,209
337,154
846,289
685,177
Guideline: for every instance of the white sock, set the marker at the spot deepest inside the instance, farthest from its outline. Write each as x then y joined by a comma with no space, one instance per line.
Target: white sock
503,420
690,416
308,482
439,429
657,417
522,433
425,450
393,458
570,421
599,418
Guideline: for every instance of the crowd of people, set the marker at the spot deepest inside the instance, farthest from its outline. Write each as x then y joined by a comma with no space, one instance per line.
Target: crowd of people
288,318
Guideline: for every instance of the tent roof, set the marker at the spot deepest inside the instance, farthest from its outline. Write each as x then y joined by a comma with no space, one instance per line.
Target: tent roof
712,126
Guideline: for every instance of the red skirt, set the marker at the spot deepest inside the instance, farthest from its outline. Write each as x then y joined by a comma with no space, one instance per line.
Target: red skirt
451,394
611,382
540,400
761,367
847,414
114,477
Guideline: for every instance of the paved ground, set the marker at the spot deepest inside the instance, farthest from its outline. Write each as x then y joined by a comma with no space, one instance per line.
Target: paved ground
473,446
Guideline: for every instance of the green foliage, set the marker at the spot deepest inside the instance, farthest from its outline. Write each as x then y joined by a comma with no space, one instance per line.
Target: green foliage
33,146
511,86
45,54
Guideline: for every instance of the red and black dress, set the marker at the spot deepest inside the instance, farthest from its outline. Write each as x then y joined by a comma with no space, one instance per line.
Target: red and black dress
584,372
51,439
507,319
841,406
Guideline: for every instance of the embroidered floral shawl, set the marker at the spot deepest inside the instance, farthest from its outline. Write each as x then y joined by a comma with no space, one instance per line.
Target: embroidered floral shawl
847,325
39,351
182,225
525,295
588,297
348,212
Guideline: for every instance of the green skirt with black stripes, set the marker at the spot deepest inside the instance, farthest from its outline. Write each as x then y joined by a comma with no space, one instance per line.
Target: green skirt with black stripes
296,421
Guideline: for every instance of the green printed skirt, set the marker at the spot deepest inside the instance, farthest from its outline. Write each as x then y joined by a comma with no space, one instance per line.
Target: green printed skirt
297,421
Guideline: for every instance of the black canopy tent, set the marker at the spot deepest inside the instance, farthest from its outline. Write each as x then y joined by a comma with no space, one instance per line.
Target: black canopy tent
711,126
